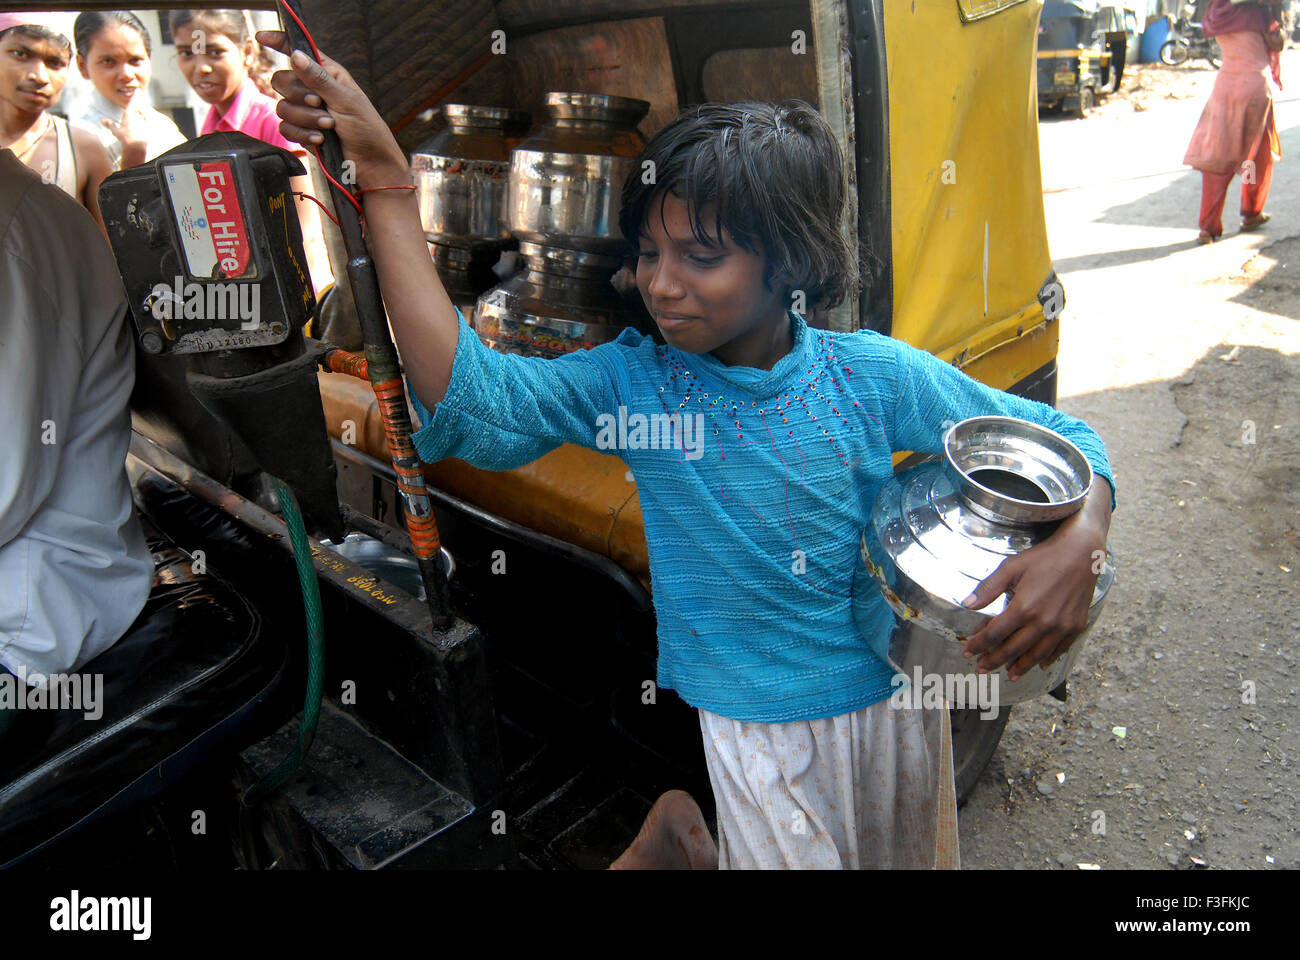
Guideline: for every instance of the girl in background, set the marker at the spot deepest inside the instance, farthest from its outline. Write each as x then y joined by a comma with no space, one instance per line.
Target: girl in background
113,51
216,52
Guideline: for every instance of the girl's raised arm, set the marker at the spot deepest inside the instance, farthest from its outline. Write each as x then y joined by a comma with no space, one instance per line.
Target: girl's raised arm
423,318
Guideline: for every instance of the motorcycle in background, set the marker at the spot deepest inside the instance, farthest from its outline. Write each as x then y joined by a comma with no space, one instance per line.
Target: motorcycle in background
1187,42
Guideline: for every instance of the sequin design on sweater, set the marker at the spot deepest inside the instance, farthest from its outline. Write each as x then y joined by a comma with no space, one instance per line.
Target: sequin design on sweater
751,419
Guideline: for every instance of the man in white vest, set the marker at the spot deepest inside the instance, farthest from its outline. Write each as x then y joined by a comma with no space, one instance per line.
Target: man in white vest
34,58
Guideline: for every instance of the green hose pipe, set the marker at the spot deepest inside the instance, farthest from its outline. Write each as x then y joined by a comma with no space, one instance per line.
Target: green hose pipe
315,647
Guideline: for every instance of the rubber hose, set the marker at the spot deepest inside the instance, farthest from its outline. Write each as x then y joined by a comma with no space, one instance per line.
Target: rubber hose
315,647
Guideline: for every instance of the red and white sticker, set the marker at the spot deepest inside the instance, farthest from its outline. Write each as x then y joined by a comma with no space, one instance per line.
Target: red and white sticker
209,221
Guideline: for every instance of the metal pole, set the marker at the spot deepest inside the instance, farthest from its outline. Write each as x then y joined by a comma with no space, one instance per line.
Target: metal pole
384,370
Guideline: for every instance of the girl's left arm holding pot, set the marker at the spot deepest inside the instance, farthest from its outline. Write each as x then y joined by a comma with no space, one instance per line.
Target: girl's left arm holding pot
1052,583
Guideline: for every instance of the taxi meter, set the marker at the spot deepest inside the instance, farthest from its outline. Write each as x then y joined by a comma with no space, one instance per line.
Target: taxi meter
208,244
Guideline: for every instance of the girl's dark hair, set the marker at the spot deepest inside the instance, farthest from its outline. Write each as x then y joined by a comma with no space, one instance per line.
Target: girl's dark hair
774,174
232,23
88,25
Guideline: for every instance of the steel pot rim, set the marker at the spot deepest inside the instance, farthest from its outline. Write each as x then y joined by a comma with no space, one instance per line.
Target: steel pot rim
1003,507
602,107
469,112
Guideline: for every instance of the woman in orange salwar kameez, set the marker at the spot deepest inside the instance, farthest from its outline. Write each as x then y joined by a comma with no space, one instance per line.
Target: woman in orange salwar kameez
1236,132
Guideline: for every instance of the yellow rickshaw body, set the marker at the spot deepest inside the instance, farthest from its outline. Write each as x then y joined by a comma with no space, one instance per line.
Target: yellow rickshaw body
970,253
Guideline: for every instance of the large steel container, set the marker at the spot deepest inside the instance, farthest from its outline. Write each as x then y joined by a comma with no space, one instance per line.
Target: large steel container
558,304
566,179
388,562
940,528
462,172
566,184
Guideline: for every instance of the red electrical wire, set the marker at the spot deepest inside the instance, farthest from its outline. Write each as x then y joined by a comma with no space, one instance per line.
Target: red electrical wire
342,189
303,27
325,209
315,149
398,186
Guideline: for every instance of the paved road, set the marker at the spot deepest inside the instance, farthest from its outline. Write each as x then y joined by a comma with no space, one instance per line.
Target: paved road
1206,614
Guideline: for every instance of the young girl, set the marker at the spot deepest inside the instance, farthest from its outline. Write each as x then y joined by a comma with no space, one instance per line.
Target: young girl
215,52
113,49
753,542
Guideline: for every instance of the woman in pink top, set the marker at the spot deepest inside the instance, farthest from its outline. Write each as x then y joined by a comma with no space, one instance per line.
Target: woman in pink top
1236,132
215,51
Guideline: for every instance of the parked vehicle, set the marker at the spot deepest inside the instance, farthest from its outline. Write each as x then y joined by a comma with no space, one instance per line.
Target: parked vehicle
1082,51
528,732
1188,42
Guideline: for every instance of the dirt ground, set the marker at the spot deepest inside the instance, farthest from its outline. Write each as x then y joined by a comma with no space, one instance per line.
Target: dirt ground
1175,749
1147,85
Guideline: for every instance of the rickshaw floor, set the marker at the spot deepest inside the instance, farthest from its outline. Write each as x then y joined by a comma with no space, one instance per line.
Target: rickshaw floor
580,782
589,821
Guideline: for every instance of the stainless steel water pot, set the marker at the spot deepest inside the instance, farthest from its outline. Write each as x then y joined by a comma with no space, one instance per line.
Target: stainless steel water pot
566,178
940,528
566,184
461,175
556,305
393,565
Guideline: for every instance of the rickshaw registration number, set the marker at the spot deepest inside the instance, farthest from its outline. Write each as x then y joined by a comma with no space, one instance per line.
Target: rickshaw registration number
1064,79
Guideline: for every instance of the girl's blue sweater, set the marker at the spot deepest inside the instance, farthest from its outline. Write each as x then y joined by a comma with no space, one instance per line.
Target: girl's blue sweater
765,612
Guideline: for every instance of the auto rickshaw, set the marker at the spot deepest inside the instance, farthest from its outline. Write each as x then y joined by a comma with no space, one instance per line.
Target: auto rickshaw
524,730
1082,49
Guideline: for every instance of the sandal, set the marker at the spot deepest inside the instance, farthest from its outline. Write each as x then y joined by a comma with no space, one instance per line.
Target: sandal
1255,222
1204,238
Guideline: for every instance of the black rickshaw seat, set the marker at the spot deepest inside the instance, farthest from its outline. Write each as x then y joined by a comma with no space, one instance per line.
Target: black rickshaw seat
193,674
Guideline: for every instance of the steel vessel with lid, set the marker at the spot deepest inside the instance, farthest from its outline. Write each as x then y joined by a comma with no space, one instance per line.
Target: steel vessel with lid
461,175
462,172
940,528
566,183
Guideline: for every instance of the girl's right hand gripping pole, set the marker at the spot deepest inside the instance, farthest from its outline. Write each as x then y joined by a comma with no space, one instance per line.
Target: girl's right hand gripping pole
381,356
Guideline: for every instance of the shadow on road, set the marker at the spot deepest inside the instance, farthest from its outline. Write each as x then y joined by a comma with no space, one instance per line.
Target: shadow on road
1274,277
1115,258
1178,201
1176,204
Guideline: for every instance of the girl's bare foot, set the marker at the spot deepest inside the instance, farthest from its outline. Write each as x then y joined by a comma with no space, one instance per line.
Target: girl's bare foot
673,837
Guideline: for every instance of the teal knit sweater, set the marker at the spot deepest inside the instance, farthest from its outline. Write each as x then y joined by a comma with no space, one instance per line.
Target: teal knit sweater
755,487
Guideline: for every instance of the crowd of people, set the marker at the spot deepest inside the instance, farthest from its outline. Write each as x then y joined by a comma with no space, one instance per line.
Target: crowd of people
118,129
